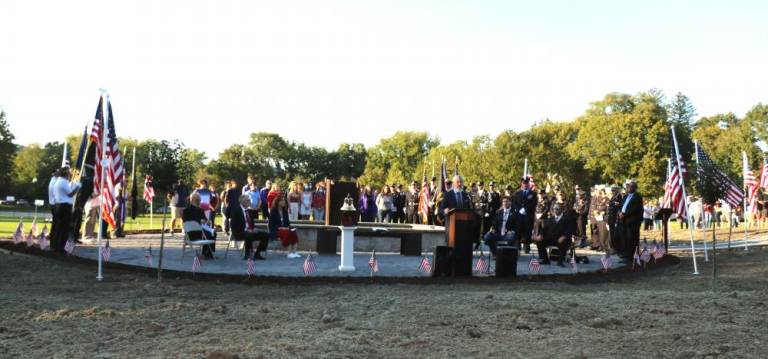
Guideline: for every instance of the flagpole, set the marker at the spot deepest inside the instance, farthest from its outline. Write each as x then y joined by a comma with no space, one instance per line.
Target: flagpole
703,227
525,168
64,155
685,198
133,183
103,140
746,194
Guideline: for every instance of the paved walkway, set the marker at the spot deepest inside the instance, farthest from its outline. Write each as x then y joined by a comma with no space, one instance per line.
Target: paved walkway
131,250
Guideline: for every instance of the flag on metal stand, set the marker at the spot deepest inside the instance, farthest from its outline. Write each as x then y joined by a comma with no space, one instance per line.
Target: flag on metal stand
534,266
482,265
373,263
43,240
309,267
425,265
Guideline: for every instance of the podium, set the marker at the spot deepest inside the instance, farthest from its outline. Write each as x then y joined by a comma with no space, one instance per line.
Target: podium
460,233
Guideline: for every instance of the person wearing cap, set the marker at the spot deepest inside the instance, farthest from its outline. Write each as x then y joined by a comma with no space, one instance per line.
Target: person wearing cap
615,199
398,201
581,212
64,190
631,216
524,203
412,204
543,208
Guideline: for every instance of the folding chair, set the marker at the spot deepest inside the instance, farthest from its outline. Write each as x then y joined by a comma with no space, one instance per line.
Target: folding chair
191,226
229,243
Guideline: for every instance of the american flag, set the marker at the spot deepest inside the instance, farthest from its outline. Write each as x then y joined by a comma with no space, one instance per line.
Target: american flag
707,168
750,184
443,178
43,241
606,261
106,252
573,263
149,190
113,173
69,247
424,196
309,265
534,266
425,265
673,188
250,267
373,263
18,236
645,256
196,264
636,257
764,174
31,238
148,255
659,253
482,266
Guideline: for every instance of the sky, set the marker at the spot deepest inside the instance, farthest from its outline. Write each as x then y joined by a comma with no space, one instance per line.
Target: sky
209,73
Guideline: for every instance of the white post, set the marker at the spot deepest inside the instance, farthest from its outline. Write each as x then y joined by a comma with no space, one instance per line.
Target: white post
64,155
133,179
104,163
703,229
746,193
525,168
347,249
685,198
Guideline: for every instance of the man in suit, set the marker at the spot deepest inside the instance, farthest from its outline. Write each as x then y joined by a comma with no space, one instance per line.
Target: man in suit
555,231
524,204
241,224
455,199
412,204
502,226
631,216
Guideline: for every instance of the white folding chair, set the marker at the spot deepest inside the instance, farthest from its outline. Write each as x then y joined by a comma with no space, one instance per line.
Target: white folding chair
191,226
229,243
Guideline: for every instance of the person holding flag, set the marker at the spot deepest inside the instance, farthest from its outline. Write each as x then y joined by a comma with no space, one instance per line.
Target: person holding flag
63,192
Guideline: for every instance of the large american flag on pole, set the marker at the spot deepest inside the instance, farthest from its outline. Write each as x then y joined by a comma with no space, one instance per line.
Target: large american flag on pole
113,172
733,194
424,197
673,188
750,185
149,190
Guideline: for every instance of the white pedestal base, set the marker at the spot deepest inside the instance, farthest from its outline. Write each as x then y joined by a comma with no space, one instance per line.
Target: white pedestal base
347,249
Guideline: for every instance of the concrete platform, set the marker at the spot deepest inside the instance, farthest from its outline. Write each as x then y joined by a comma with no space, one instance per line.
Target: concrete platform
131,250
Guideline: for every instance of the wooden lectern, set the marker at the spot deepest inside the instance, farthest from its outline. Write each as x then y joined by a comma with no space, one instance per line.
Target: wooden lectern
460,232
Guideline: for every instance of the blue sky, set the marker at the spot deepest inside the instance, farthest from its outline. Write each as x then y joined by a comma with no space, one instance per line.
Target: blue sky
326,72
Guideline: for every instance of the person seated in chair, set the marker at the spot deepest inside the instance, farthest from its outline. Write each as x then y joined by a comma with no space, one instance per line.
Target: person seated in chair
555,231
280,227
242,226
502,227
193,212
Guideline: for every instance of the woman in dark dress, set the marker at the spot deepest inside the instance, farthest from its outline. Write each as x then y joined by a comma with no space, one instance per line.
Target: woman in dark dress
280,227
193,212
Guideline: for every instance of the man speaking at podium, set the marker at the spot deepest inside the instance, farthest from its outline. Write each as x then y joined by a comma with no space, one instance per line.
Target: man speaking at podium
455,199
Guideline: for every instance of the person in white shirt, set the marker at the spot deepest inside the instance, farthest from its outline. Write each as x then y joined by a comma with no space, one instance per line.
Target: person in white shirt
63,193
52,199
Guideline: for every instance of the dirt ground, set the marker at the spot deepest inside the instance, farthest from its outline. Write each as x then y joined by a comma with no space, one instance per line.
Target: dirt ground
54,308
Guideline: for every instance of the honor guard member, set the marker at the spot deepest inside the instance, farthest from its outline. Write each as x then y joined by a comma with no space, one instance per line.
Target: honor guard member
494,198
615,200
524,203
581,212
412,204
398,200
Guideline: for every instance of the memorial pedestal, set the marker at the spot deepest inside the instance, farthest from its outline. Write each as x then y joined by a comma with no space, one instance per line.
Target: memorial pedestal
347,249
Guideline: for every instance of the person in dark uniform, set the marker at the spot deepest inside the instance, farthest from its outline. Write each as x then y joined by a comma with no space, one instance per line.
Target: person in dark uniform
581,213
524,204
398,200
631,217
412,204
602,233
543,204
494,198
555,231
615,200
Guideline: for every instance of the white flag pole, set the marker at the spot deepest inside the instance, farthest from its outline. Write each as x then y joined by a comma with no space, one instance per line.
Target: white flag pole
525,168
104,163
133,179
703,229
64,155
746,193
685,198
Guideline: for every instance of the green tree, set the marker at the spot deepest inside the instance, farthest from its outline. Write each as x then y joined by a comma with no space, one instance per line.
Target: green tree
682,114
394,159
7,152
724,137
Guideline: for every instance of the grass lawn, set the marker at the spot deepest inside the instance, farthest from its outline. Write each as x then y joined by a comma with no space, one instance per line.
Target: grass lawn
8,224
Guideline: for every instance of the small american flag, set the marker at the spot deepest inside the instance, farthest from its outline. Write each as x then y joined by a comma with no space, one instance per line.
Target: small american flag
645,256
106,252
482,265
148,255
196,264
636,257
373,263
750,184
32,233
659,253
574,267
606,261
309,265
425,265
43,241
18,236
534,266
69,247
250,267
